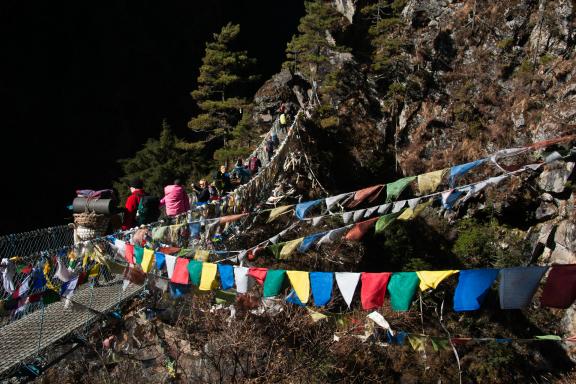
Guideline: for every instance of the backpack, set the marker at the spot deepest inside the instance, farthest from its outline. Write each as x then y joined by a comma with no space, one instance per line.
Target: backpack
253,165
148,210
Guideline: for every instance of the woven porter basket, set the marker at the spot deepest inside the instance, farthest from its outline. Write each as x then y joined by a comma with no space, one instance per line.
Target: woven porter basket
89,225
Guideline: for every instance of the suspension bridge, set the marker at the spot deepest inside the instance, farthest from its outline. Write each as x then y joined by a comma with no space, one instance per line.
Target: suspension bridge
26,333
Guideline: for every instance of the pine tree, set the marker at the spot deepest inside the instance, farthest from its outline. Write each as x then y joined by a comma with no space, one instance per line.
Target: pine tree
158,163
221,91
306,51
390,45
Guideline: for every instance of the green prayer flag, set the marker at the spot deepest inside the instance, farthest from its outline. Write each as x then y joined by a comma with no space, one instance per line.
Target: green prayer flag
548,337
393,190
138,254
275,249
195,271
273,282
402,287
158,233
385,221
440,343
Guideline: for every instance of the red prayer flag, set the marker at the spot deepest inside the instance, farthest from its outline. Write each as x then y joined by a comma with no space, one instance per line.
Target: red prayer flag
129,254
230,218
373,289
560,288
181,274
359,230
363,194
259,274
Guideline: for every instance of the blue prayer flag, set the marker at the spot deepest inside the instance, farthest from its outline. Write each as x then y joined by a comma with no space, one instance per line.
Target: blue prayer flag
321,284
292,298
226,276
302,208
473,286
517,286
309,241
459,170
160,260
195,230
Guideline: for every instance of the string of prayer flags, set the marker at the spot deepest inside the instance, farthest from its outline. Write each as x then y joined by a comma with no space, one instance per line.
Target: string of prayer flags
347,216
170,265
289,248
473,285
517,286
8,273
370,194
301,284
428,182
241,279
226,273
180,274
321,284
560,288
402,287
373,289
347,282
276,212
195,271
258,274
359,230
129,253
273,282
303,208
431,279
208,277
394,189
459,170
333,200
398,206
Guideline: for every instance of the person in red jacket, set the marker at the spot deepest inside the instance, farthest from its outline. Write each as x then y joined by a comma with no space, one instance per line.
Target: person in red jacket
137,191
176,199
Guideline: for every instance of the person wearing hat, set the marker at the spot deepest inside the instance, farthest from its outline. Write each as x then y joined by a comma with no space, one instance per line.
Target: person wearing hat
131,207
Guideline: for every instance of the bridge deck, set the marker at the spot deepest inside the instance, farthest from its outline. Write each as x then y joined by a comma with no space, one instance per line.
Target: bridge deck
19,340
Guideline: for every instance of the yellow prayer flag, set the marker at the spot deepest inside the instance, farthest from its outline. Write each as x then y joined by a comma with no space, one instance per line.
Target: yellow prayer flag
301,284
428,182
431,279
407,214
147,260
289,248
94,271
208,276
410,213
278,211
202,255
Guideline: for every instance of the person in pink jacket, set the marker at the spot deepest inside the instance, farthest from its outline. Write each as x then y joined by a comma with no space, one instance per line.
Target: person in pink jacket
175,198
